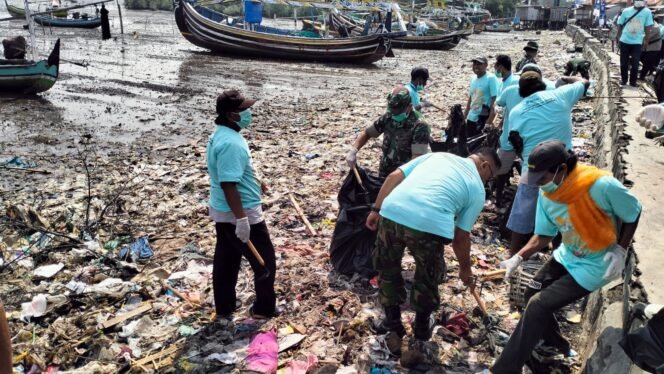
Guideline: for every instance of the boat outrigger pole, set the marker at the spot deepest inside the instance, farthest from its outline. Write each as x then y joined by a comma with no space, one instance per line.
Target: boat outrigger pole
31,29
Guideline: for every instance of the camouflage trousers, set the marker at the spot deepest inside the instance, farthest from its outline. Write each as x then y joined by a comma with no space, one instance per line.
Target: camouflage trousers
426,249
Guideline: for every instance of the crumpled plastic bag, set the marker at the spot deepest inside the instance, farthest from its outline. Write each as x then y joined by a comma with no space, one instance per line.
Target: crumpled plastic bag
136,251
651,117
300,367
18,162
263,353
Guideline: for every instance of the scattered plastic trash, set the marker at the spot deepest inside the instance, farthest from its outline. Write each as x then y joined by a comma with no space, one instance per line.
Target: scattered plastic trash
137,250
34,308
18,162
263,353
48,271
224,358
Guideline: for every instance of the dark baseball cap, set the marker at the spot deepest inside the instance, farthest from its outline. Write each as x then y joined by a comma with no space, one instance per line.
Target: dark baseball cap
544,156
531,45
233,101
480,60
419,71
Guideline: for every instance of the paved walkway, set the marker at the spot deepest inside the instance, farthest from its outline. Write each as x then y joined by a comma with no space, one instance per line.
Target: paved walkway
645,167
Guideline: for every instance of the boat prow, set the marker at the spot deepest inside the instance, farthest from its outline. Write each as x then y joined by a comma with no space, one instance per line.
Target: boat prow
21,77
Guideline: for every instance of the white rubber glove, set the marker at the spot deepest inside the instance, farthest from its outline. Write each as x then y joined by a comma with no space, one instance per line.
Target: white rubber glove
242,229
616,259
652,309
351,156
659,140
511,265
426,104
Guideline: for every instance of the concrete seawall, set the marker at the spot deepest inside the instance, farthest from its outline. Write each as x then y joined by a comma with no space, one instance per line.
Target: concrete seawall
614,113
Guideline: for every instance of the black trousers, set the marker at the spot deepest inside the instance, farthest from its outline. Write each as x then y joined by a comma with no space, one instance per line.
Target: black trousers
630,55
227,258
474,128
649,61
551,289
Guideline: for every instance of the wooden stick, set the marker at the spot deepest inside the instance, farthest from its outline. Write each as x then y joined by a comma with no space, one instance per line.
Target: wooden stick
178,293
301,213
491,275
357,176
255,252
480,302
26,170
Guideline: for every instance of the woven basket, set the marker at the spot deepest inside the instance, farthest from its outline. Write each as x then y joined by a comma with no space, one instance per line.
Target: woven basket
520,280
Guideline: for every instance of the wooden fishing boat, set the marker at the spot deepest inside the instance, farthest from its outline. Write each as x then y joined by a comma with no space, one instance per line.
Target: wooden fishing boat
28,77
437,40
20,12
78,23
206,28
498,28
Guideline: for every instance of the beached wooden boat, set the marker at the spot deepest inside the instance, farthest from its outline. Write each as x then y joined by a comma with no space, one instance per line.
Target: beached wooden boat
23,77
438,40
20,12
80,23
498,28
207,29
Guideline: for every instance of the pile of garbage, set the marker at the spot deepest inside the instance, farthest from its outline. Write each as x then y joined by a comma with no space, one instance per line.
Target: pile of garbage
108,269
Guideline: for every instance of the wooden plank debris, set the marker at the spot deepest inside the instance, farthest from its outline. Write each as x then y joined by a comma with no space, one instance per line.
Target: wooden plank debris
131,314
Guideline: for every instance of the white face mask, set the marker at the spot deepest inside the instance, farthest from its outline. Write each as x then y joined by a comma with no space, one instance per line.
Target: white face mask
639,4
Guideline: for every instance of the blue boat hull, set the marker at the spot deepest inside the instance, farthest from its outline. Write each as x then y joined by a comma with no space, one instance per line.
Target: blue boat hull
90,23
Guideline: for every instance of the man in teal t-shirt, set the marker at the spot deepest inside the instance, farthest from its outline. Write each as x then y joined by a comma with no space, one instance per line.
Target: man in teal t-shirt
235,207
578,266
503,68
542,115
431,201
634,26
418,80
482,95
509,98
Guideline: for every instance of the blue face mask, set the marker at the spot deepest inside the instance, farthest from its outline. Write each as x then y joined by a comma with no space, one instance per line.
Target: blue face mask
499,74
245,119
419,87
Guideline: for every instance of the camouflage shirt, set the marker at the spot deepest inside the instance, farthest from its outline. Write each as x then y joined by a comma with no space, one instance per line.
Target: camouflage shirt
525,61
400,140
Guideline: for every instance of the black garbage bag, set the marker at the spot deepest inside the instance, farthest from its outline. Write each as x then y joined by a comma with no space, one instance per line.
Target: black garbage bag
645,345
15,48
352,243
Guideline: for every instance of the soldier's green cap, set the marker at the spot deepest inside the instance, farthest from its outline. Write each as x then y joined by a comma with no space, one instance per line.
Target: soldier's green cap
398,98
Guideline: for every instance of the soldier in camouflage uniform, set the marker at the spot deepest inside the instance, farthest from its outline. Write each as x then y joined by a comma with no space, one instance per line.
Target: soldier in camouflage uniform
429,202
405,133
530,55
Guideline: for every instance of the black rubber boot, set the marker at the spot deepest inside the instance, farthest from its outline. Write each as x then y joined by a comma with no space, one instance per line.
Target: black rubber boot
391,323
423,328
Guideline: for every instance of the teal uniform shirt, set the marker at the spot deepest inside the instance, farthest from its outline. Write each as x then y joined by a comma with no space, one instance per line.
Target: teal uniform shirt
635,30
509,99
440,191
229,160
414,95
481,91
545,115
